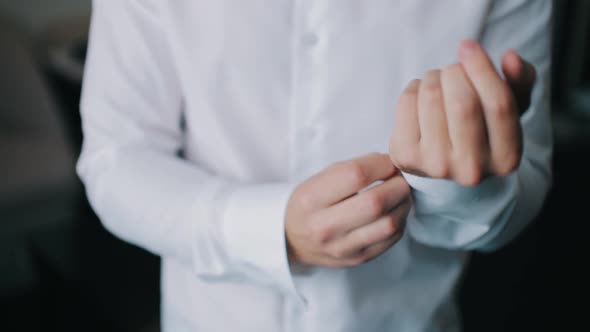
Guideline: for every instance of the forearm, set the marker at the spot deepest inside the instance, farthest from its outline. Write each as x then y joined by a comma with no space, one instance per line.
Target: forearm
174,209
131,109
143,196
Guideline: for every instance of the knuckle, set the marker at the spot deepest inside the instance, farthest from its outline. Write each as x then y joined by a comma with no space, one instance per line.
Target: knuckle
356,174
452,68
464,108
404,188
432,93
411,90
442,170
337,166
363,239
336,252
500,107
374,204
391,226
431,89
434,73
328,232
408,98
305,200
319,233
508,164
405,157
471,174
438,167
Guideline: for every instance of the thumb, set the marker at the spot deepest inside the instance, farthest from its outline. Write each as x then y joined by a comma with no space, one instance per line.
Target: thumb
521,77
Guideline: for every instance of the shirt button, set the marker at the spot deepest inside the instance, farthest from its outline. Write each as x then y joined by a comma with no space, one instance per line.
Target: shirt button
304,301
310,39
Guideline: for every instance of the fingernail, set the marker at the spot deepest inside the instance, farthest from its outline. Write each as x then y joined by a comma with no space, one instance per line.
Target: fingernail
468,48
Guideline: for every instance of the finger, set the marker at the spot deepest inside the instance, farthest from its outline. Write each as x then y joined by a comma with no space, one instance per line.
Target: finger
331,262
377,249
368,254
364,256
434,143
406,127
467,128
384,228
521,77
345,179
366,207
500,112
404,144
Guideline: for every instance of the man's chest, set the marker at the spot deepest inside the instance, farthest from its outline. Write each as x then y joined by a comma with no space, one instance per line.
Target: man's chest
313,76
308,61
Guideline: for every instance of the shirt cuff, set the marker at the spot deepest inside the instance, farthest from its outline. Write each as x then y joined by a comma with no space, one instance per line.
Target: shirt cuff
447,214
254,233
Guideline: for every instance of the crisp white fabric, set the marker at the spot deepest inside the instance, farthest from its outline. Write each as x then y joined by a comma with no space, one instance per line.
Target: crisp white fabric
200,117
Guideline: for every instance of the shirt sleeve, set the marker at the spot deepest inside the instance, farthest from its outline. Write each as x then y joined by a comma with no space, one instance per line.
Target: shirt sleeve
137,183
489,215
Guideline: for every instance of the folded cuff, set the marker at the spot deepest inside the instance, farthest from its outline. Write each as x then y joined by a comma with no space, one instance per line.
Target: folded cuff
254,233
449,215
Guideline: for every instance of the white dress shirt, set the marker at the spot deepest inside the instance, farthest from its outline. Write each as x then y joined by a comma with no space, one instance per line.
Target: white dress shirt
200,117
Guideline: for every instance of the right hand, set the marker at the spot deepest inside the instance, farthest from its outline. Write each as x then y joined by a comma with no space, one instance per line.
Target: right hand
330,223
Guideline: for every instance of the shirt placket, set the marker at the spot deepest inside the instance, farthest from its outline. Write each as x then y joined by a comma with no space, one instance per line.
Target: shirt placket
305,133
306,55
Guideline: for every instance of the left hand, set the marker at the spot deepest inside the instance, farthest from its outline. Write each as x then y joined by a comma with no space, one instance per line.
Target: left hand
463,122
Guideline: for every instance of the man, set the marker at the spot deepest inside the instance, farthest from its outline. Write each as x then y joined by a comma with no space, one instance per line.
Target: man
234,139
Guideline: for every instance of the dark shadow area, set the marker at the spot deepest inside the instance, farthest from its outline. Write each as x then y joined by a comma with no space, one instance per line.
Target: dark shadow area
536,283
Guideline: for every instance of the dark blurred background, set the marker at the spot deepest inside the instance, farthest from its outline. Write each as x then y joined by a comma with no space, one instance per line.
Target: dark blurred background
61,271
